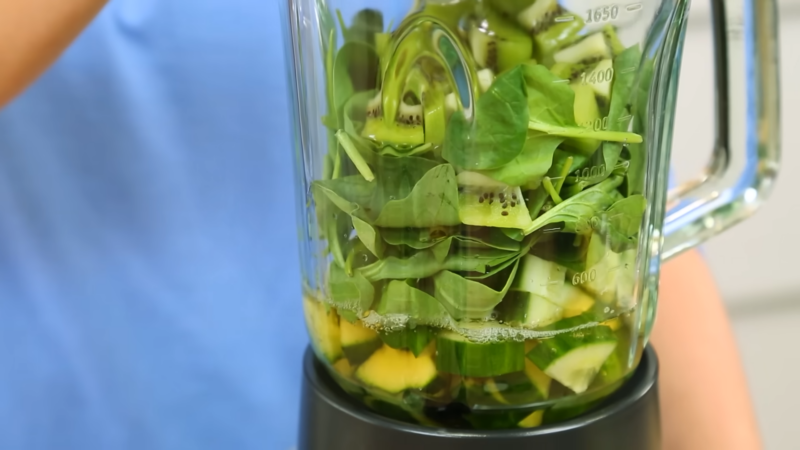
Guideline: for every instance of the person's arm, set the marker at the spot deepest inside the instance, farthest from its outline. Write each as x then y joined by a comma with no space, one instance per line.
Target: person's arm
705,402
33,33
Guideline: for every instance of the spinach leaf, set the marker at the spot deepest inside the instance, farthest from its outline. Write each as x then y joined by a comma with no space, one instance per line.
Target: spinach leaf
362,64
497,133
432,202
346,292
640,110
532,164
417,238
366,199
426,263
465,236
469,299
620,224
551,108
355,113
576,212
402,298
421,265
619,116
369,236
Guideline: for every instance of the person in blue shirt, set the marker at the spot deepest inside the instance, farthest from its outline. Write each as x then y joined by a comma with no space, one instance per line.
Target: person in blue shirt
149,279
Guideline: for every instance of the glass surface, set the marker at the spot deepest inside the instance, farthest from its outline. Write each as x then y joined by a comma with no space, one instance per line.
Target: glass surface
482,187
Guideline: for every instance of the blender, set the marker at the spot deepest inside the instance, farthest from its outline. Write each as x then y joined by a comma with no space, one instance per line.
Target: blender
483,203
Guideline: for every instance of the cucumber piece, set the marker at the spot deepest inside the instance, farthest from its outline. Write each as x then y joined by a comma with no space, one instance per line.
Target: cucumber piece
323,328
533,420
540,277
358,341
415,340
528,310
394,371
458,355
574,359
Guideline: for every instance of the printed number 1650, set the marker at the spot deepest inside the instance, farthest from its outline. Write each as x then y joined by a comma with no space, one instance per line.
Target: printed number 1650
602,14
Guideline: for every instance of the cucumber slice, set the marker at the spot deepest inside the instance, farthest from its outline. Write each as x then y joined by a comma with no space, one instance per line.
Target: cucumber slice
358,341
574,359
541,278
394,371
414,340
323,327
457,355
528,310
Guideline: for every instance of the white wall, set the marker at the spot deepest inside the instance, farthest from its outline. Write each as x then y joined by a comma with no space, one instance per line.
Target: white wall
755,261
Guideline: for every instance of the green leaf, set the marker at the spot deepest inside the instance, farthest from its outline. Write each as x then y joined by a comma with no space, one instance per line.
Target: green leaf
421,265
621,223
532,164
577,212
428,262
640,110
369,236
355,112
351,293
466,236
497,133
400,297
469,299
366,199
619,116
551,106
432,202
416,238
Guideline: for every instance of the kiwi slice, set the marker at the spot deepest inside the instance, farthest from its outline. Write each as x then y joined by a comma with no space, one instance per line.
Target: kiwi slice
510,7
499,44
488,203
407,128
588,50
548,35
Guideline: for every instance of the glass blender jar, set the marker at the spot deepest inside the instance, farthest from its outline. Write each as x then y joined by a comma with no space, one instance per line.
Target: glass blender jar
483,192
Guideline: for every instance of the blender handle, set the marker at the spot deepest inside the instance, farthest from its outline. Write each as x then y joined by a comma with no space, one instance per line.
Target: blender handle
746,157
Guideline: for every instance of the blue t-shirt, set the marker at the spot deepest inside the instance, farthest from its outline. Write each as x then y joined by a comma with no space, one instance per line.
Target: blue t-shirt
149,278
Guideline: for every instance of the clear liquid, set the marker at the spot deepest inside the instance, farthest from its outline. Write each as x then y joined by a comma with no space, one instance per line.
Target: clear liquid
518,399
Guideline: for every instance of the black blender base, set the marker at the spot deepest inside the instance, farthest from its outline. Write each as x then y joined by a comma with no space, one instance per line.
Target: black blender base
628,420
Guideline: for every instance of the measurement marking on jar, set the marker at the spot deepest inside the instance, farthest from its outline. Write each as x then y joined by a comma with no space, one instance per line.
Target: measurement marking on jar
565,19
624,119
633,7
560,81
584,277
628,70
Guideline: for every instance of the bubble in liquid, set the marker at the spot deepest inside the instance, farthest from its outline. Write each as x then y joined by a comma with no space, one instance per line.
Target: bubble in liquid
606,309
365,258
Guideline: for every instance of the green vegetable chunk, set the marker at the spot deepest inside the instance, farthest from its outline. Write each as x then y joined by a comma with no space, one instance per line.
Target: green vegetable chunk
457,355
574,358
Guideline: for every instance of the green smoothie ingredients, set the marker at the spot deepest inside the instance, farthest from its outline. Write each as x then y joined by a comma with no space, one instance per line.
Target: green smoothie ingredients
480,211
